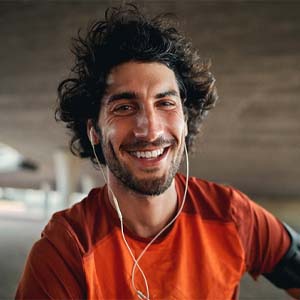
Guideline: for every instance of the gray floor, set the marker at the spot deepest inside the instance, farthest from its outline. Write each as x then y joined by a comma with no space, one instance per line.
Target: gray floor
16,239
18,234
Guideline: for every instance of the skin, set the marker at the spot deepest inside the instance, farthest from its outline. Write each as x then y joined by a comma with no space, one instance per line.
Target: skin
141,111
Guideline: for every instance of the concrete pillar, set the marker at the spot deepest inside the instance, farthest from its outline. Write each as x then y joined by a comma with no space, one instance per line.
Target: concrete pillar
67,172
87,183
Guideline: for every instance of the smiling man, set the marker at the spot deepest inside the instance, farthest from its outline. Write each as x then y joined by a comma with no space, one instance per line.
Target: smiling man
143,127
134,103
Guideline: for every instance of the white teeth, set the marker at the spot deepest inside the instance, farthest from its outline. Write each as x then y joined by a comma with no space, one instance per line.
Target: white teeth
148,154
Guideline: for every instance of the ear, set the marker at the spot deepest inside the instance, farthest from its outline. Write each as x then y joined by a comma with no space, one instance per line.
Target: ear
91,132
185,128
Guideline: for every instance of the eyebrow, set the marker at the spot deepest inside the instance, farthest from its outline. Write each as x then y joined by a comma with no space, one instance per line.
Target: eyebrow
132,95
123,95
167,93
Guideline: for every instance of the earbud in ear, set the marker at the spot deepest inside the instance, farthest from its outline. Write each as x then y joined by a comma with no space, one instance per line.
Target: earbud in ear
92,137
185,129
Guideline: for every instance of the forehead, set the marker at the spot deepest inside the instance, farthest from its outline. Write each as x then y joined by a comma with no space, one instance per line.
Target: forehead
141,77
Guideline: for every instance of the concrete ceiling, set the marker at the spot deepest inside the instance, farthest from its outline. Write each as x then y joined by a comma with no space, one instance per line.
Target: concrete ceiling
251,139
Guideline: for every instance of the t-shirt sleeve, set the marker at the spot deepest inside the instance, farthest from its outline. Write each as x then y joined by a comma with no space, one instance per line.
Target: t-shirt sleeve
53,268
263,236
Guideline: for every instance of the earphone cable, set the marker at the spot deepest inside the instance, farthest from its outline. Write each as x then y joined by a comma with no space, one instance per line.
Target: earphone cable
136,260
117,208
136,263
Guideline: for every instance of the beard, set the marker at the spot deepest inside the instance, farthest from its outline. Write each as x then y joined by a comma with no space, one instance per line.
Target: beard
152,186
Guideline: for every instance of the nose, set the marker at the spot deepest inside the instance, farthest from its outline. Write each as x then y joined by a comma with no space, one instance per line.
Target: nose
149,125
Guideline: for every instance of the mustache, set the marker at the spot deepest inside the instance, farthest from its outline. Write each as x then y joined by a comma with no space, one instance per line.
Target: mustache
140,144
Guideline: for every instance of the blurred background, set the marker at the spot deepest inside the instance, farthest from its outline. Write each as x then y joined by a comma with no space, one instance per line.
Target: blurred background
251,140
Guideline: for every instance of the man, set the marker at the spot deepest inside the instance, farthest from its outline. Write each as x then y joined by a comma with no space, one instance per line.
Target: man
138,95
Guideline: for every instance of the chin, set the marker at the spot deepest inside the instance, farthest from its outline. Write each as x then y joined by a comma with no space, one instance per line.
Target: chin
149,186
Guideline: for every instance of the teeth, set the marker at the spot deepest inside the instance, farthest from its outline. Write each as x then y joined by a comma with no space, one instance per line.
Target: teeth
148,154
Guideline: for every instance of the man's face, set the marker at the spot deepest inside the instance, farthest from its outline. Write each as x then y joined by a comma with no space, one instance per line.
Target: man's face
142,126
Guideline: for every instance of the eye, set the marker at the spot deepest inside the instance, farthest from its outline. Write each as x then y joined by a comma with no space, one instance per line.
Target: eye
124,109
167,104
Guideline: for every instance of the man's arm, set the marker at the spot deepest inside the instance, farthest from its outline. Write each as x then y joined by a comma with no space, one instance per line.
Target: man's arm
286,274
271,247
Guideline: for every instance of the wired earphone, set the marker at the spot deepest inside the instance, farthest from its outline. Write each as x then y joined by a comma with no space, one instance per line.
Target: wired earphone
139,293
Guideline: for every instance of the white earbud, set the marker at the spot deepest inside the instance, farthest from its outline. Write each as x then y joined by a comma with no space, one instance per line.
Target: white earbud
92,137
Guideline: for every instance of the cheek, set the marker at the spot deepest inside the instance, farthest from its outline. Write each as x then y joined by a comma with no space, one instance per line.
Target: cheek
108,127
109,134
174,118
177,124
115,133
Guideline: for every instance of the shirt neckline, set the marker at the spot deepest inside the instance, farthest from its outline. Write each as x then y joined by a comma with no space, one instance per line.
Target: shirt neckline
134,237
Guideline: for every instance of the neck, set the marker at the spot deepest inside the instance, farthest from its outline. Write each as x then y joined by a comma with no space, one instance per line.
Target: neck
144,215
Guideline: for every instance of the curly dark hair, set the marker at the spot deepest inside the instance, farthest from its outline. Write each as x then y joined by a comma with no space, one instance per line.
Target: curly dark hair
128,35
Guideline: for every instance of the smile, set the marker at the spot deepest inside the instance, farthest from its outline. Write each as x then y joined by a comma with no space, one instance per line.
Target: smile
148,154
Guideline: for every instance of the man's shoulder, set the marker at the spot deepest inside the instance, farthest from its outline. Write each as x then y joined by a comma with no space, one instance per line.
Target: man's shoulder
79,222
211,189
213,200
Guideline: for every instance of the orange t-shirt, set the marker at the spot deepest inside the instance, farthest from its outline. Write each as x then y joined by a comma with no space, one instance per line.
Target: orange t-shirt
219,235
